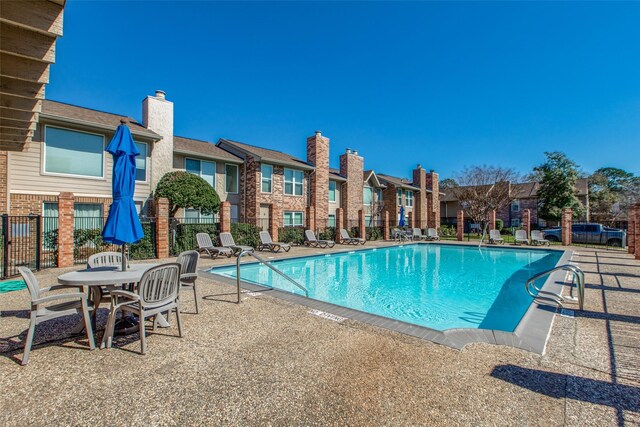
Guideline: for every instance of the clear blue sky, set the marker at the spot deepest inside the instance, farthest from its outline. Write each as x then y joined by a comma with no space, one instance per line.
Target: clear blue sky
444,84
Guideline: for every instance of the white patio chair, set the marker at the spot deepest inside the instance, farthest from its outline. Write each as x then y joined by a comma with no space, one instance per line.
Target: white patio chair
157,292
76,303
348,240
104,259
537,238
226,240
315,243
432,234
417,234
206,245
400,235
521,237
495,237
268,244
188,261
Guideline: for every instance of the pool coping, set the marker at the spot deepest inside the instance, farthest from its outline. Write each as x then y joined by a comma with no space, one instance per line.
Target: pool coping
531,333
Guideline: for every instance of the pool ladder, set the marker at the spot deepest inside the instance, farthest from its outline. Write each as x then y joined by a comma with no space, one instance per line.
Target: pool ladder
540,295
268,264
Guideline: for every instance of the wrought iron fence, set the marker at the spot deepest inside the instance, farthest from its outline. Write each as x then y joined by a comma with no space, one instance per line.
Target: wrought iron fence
593,235
26,241
182,233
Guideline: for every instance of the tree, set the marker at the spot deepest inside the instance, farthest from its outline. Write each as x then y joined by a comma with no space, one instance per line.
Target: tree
482,190
557,187
186,190
447,184
611,192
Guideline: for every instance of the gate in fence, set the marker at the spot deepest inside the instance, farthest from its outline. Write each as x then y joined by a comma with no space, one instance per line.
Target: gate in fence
30,241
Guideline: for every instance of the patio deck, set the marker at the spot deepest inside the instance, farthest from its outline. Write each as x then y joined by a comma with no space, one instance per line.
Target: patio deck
270,362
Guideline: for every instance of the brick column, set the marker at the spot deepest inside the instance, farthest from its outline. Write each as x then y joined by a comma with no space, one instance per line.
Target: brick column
631,230
526,221
460,226
4,182
311,218
225,217
385,225
433,199
339,220
410,219
637,231
492,220
361,225
162,227
566,223
65,229
274,221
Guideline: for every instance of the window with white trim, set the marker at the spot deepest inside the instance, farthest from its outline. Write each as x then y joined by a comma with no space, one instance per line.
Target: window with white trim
293,182
331,222
399,193
409,197
141,162
194,216
71,152
515,222
267,177
231,172
515,206
332,191
367,197
205,170
292,219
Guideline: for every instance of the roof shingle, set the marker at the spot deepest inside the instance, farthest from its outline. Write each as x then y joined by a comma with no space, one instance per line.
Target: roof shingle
203,149
264,154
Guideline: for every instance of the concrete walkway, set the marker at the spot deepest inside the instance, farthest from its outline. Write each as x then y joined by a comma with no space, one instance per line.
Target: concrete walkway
269,362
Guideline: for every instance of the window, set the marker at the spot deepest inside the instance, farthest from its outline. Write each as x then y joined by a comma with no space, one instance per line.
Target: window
331,222
368,196
292,219
205,170
332,191
367,220
399,192
88,216
515,206
194,216
379,195
141,162
49,225
515,222
267,177
73,153
232,178
293,182
234,213
409,197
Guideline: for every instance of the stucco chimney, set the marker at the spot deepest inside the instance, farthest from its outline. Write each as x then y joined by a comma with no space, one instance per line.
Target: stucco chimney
157,115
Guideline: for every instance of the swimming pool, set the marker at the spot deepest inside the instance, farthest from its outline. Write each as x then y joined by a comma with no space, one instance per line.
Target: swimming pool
435,286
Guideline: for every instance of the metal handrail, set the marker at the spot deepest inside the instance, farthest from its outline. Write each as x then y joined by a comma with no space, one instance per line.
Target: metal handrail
268,264
578,277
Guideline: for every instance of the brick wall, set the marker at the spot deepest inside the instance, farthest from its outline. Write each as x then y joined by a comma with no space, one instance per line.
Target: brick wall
352,167
421,200
25,204
433,199
65,229
567,221
4,182
631,235
390,202
318,155
162,227
460,225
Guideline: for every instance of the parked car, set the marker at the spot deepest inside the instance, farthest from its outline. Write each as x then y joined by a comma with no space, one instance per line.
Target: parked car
590,233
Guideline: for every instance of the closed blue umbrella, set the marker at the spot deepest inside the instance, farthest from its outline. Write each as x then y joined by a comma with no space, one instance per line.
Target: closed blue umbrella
401,220
123,225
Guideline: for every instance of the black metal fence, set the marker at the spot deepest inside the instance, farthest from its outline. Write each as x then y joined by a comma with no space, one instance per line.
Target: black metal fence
26,241
593,235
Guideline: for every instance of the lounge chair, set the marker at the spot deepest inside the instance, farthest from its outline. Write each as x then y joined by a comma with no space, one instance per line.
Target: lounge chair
537,238
188,261
417,234
267,244
315,243
432,234
74,302
348,240
521,237
398,234
226,240
495,237
206,245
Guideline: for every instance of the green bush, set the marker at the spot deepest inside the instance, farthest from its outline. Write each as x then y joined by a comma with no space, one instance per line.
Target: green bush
185,236
245,234
354,232
374,233
291,235
146,247
499,224
448,231
328,233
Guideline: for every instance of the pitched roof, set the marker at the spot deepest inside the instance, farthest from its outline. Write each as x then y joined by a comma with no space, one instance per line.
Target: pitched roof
397,182
94,118
263,154
526,190
335,175
200,148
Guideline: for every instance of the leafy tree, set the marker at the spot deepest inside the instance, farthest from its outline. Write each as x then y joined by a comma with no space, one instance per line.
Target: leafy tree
611,192
448,183
484,189
557,187
186,190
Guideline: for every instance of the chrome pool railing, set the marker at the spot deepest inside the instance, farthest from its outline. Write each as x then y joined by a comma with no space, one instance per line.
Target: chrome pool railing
268,264
577,276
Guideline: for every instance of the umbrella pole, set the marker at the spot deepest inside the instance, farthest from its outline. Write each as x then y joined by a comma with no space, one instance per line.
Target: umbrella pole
124,258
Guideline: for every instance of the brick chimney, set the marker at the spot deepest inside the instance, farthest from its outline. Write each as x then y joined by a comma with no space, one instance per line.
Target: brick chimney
352,167
157,115
318,155
420,207
433,200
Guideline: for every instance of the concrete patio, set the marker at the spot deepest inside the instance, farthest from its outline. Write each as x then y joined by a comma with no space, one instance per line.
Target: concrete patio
270,362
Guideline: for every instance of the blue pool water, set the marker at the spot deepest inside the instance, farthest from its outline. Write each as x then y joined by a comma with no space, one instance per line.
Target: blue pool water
437,286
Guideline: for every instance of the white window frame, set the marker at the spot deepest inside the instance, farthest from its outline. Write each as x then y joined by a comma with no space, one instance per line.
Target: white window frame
215,168
200,217
332,218
262,178
408,196
43,157
364,189
237,178
146,164
293,214
515,222
335,191
515,205
293,182
399,196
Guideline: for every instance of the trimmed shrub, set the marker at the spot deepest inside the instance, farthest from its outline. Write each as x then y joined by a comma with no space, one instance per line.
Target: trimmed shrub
185,236
291,235
374,233
499,224
245,234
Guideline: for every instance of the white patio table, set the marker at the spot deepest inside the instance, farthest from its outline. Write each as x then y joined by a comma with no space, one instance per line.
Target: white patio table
109,277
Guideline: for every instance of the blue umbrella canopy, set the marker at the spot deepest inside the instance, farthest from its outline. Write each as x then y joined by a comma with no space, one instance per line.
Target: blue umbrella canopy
401,220
123,225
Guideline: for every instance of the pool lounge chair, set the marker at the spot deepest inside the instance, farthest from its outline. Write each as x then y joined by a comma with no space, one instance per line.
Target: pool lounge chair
417,234
267,244
315,243
494,237
537,238
348,240
521,237
398,234
206,245
226,240
432,234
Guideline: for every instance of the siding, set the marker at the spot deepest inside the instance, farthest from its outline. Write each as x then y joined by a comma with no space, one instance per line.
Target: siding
220,187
